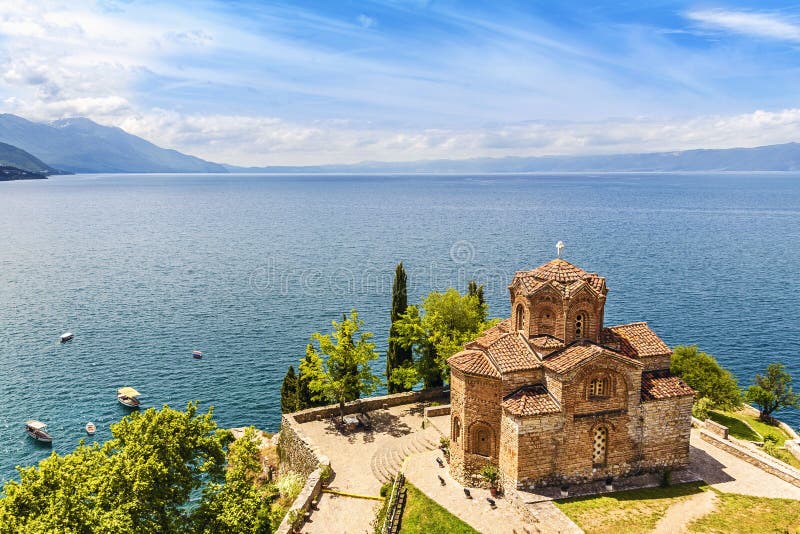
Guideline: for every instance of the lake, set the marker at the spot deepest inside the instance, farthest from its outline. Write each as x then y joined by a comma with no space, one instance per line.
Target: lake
146,268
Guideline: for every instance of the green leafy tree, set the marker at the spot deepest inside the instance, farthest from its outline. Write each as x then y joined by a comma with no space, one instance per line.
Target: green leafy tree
703,374
304,395
289,391
242,503
345,374
139,481
445,323
773,391
398,355
476,290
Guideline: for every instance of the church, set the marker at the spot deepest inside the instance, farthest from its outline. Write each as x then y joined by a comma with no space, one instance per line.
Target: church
552,396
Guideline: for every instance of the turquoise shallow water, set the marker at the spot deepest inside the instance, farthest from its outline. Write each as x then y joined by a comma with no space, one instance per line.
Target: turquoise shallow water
145,268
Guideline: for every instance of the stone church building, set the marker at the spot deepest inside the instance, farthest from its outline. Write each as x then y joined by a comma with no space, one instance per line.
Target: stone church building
552,396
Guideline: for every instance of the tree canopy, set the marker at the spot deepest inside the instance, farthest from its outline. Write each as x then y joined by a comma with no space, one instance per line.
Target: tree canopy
707,377
345,373
773,391
436,330
289,391
141,480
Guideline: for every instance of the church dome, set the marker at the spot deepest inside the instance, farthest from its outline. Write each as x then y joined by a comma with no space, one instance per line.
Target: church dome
561,273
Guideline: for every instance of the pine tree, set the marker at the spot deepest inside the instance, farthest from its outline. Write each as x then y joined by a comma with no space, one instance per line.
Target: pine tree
289,392
396,355
476,290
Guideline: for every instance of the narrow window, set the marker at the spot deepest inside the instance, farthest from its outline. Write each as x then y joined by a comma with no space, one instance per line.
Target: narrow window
482,440
456,429
579,324
520,319
598,387
599,443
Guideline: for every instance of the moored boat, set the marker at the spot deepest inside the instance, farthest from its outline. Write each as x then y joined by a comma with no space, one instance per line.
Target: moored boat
66,336
128,397
196,354
90,428
37,430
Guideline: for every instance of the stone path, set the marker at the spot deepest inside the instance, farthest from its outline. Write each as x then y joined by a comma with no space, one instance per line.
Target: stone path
422,470
679,515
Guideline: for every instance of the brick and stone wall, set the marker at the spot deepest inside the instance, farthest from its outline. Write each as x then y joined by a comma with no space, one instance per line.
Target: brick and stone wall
667,426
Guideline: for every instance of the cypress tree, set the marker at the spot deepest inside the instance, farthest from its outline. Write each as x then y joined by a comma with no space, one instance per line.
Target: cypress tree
289,392
475,290
303,392
397,356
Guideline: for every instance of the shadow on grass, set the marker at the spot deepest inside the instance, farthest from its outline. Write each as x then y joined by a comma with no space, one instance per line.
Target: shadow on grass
737,428
678,490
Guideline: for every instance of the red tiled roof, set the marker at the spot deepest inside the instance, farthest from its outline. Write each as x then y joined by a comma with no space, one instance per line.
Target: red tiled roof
490,335
531,400
561,274
546,342
573,355
510,353
636,340
473,362
663,385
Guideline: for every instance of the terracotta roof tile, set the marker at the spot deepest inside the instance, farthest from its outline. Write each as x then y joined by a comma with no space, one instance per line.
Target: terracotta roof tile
531,400
490,335
571,356
636,340
510,353
561,274
663,385
546,343
473,362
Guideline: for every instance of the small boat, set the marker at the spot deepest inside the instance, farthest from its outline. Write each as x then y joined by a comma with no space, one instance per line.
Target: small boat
128,397
90,428
67,336
196,354
37,430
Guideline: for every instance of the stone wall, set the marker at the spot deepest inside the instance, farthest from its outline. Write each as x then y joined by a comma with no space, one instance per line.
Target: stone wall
296,450
772,466
716,428
302,503
666,431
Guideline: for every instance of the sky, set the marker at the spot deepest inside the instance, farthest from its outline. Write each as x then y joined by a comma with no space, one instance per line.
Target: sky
302,83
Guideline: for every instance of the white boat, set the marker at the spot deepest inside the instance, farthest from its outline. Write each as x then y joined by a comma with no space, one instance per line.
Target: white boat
90,428
197,355
37,430
67,336
128,397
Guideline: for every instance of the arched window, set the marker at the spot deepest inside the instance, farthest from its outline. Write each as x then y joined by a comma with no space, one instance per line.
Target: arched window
580,325
599,387
482,439
520,318
456,429
599,445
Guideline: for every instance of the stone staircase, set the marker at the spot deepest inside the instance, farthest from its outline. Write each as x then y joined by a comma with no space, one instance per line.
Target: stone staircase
388,459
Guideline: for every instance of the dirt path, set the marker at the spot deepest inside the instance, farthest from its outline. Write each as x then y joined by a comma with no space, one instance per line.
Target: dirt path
679,515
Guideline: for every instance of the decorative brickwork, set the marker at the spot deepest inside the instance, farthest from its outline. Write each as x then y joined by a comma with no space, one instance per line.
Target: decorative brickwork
550,396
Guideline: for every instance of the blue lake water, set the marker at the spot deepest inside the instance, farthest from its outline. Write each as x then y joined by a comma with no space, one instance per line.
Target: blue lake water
146,268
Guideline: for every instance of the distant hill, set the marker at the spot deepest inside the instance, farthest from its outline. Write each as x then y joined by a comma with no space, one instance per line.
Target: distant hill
785,157
81,145
13,157
8,173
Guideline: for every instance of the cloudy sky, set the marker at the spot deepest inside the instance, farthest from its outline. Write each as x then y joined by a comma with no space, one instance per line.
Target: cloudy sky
268,83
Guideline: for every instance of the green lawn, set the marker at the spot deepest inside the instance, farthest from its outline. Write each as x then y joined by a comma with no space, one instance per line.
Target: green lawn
741,513
735,421
736,427
630,511
425,516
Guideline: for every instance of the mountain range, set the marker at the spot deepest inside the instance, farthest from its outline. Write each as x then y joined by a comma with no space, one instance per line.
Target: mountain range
79,145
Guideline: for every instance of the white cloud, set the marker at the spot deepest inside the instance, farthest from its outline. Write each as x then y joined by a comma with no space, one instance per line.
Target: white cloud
365,21
765,25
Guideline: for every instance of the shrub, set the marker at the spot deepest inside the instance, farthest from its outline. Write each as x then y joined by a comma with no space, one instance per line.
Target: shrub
289,486
490,475
701,408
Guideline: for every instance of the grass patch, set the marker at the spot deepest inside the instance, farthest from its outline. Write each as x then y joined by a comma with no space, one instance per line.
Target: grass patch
735,421
742,513
736,427
425,516
626,511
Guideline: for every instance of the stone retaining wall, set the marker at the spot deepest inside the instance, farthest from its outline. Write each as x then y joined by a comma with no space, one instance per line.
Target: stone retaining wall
436,411
302,503
370,403
774,467
716,428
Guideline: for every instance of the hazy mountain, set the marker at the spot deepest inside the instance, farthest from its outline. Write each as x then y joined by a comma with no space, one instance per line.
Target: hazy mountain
785,157
11,156
80,145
